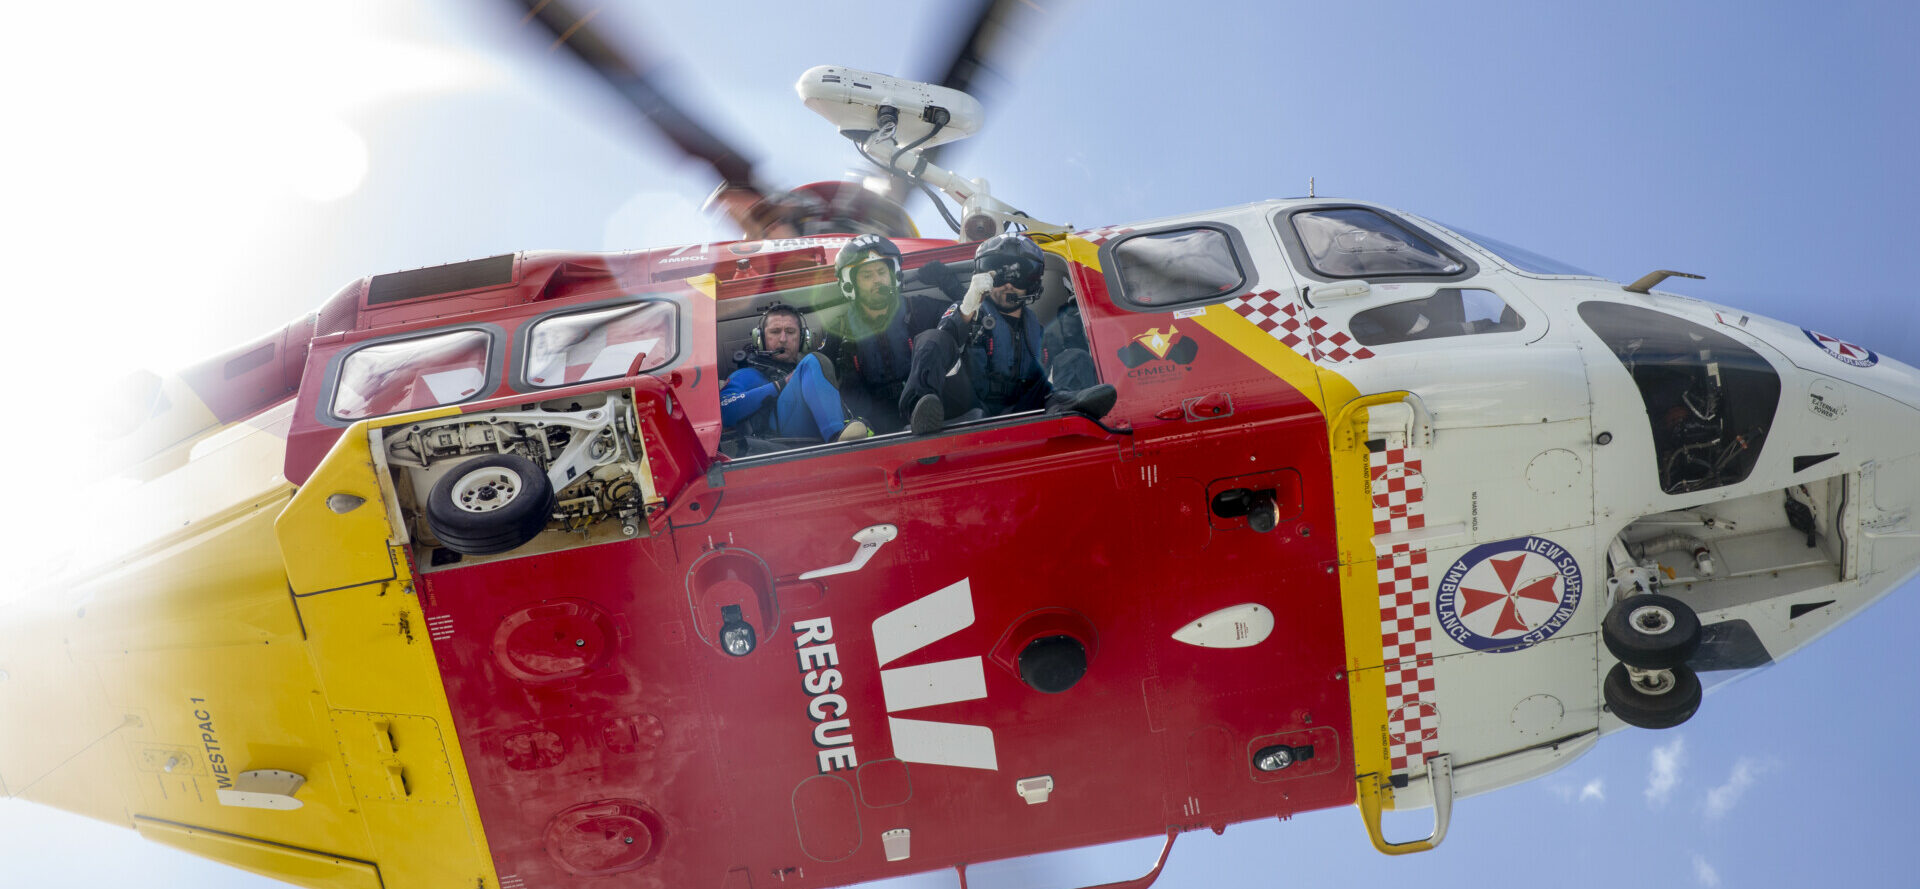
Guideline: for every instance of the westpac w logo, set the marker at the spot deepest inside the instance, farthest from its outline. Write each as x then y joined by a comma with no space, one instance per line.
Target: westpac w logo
908,629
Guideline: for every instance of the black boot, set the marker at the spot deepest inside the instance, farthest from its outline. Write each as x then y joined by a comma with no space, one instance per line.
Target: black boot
928,415
1093,401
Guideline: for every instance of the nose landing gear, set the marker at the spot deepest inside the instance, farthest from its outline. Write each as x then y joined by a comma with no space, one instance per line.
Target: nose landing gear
1652,686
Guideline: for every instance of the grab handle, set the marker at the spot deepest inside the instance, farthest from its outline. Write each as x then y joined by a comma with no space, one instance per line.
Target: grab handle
1419,435
1439,778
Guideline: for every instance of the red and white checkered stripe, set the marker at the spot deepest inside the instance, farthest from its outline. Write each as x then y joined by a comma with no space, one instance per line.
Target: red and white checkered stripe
1277,317
1406,611
1339,348
1105,233
1284,320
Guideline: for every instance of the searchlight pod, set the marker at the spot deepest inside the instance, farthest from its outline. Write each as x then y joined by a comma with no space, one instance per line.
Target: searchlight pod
893,121
924,115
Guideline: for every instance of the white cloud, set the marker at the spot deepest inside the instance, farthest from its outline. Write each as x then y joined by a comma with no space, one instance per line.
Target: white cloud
1705,873
1723,798
1594,791
1665,772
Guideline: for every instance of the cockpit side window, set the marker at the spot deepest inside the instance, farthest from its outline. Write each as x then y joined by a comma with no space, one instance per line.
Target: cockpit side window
600,343
394,376
1357,242
1448,312
1710,400
1186,266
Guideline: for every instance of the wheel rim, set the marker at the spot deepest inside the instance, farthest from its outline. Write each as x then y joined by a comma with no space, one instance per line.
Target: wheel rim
1650,620
486,490
1654,682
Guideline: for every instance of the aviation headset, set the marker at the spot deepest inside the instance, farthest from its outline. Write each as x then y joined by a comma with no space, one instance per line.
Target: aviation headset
806,334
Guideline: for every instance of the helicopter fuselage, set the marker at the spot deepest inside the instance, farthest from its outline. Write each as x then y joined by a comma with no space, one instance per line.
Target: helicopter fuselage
1370,524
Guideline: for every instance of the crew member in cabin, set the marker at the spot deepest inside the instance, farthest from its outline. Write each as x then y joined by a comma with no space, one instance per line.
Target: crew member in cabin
988,358
871,344
1069,359
783,390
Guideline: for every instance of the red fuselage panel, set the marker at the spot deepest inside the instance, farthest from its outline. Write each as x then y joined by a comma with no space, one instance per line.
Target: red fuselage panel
891,697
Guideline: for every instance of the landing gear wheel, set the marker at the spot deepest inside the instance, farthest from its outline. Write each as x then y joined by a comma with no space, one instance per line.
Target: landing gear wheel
1658,699
490,505
1651,631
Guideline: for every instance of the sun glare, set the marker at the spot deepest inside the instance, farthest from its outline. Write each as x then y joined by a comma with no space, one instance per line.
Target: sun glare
190,131
165,155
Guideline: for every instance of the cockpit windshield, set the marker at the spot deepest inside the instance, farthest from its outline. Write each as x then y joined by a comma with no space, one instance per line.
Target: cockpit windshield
1519,257
1710,400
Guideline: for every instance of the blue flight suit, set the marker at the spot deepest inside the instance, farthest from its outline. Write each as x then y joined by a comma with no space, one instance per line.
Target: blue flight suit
807,407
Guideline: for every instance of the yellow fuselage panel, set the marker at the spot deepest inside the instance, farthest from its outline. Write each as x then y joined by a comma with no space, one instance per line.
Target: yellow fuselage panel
145,683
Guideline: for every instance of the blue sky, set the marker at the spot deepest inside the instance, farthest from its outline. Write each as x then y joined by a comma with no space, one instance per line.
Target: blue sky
194,185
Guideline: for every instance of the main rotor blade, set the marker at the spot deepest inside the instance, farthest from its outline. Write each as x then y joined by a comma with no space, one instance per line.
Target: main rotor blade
575,34
989,26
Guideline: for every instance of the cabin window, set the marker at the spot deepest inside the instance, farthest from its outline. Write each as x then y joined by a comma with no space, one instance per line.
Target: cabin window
1710,400
600,344
396,376
1158,270
1356,242
1449,312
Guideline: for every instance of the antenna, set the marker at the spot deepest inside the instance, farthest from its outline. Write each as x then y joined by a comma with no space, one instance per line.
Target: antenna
1309,186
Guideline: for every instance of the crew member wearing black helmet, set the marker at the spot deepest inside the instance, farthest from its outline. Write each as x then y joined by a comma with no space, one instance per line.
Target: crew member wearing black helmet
989,358
871,344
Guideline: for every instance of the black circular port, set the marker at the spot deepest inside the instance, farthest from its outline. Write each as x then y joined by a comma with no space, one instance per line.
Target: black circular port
1263,512
1052,664
1231,503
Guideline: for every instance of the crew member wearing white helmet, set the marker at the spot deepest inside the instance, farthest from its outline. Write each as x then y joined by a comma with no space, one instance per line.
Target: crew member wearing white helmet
871,344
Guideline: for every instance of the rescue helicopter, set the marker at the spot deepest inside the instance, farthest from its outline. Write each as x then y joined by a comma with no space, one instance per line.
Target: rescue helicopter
1424,515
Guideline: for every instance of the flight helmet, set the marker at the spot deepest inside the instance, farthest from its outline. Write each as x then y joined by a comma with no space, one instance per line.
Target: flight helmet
859,252
1015,259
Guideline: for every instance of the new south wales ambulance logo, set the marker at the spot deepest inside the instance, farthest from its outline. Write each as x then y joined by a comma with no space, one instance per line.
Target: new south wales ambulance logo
1858,356
1153,345
1509,595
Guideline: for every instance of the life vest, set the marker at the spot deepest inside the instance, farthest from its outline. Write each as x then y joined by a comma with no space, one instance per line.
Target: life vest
878,361
1006,360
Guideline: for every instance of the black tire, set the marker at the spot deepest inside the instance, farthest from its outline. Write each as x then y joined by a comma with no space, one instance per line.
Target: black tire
1651,631
1647,708
462,510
